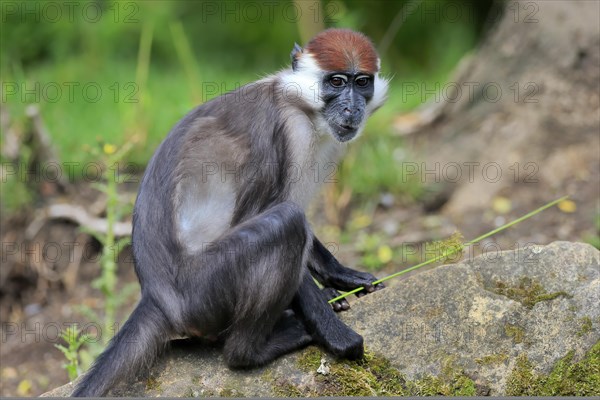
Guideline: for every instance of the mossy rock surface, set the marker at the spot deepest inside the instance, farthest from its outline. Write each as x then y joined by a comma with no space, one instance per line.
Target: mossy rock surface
514,322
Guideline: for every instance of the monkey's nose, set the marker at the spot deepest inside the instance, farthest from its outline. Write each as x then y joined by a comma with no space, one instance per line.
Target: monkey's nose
347,112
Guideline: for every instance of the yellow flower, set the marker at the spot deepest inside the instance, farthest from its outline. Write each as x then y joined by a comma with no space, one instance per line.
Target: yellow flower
501,205
109,148
567,206
384,254
24,388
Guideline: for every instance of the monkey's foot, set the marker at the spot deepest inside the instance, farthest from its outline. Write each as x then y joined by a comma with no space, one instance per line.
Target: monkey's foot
343,342
340,305
292,330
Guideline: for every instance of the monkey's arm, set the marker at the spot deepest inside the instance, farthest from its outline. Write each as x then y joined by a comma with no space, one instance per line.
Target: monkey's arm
334,276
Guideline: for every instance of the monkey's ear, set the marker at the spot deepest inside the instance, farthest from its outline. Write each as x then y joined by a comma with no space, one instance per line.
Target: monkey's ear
294,55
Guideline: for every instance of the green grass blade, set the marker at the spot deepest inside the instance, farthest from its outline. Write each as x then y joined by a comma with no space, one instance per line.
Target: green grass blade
449,253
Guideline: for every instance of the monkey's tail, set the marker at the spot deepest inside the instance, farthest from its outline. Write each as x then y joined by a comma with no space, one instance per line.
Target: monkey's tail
134,347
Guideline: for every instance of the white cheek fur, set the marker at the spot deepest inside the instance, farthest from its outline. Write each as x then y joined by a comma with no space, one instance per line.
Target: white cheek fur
379,94
305,82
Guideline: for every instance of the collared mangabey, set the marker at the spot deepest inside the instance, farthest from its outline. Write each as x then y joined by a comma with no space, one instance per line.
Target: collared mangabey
221,243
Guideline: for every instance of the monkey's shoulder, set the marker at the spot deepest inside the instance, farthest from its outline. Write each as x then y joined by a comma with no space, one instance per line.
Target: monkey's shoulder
254,118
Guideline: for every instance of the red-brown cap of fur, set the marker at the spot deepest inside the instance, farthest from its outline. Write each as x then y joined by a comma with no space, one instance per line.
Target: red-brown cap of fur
343,50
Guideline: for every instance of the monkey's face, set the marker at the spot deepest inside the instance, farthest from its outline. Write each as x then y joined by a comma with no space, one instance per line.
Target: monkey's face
338,77
346,95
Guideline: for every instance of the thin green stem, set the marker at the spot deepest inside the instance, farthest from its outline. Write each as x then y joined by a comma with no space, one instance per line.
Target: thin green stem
455,250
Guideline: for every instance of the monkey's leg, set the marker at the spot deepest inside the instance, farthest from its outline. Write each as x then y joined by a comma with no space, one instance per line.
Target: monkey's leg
258,267
333,275
311,304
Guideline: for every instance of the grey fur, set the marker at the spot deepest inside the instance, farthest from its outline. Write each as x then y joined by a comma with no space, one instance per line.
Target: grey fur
221,244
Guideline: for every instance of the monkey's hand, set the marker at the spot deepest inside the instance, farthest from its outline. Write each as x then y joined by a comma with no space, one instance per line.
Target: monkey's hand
349,282
348,279
333,275
369,287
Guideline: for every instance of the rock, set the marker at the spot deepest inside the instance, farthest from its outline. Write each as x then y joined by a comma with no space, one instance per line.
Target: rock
478,318
487,311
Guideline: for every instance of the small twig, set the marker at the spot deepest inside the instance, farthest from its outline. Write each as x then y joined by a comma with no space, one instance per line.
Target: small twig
76,214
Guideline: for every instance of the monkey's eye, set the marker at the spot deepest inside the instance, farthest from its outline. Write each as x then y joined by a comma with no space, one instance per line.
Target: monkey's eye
362,81
337,81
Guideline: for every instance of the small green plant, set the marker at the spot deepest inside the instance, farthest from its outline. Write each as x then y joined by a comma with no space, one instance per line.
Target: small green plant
111,247
450,249
74,339
594,238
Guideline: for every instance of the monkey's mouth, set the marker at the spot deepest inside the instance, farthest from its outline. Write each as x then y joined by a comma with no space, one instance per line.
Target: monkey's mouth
344,132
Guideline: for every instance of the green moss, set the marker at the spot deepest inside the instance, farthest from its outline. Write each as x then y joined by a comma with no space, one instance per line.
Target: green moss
451,382
515,332
391,381
199,389
586,326
152,384
375,376
194,392
490,359
520,381
528,292
567,378
282,388
572,308
310,359
348,379
230,392
549,296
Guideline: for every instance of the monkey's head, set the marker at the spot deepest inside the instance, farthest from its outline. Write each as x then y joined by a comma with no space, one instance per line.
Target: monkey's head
338,74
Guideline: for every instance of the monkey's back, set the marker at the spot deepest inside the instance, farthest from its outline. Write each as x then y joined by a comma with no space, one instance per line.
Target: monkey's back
200,180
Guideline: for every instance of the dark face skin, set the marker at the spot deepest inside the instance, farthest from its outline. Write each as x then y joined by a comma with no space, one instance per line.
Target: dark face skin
346,95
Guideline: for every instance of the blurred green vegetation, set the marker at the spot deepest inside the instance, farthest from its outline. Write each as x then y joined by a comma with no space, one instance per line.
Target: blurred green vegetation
104,71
